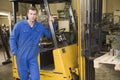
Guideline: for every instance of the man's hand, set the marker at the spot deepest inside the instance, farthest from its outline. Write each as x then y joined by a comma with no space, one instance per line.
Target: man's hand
51,18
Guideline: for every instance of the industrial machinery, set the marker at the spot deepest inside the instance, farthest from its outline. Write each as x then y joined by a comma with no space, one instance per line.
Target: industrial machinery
111,27
5,44
111,37
68,60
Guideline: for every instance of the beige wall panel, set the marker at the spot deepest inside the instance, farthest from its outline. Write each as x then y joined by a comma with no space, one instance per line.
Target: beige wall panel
5,5
4,21
55,7
112,5
104,6
60,6
74,4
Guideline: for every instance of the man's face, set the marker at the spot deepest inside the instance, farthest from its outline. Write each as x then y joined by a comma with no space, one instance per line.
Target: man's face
32,15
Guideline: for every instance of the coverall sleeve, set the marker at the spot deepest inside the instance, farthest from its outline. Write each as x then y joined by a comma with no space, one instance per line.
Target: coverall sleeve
47,31
13,39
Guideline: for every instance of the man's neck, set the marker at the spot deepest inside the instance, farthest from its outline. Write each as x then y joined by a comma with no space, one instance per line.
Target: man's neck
31,23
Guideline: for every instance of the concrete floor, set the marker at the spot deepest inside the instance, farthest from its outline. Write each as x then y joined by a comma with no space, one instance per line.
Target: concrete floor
106,72
5,70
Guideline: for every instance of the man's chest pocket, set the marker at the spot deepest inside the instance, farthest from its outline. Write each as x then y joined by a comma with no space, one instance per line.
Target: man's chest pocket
37,35
37,32
25,33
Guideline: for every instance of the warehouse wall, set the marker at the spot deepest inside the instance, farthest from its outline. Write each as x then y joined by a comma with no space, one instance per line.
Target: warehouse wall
104,6
4,20
111,5
22,9
74,4
60,6
6,5
55,7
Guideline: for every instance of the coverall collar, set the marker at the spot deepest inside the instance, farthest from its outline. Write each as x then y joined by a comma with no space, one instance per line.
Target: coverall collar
34,25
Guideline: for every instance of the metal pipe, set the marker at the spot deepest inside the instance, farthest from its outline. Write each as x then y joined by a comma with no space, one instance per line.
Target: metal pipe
50,23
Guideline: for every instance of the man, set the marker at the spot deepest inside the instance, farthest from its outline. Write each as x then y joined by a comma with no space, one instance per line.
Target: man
24,45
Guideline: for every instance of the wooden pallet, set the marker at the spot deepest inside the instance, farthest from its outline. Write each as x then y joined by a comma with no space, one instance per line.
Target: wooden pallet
108,59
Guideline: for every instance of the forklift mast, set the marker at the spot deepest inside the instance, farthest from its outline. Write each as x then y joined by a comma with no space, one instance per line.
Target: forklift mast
89,36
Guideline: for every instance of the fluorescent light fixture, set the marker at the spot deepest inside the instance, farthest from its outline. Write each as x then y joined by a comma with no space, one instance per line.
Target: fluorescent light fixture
4,13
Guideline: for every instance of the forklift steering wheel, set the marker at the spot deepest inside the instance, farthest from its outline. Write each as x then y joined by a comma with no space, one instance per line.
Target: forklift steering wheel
60,31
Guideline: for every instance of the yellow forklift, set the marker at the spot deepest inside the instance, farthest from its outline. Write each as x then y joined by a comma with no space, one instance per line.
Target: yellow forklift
71,57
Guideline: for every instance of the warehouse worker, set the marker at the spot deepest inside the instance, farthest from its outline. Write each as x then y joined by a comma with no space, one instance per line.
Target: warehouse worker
24,42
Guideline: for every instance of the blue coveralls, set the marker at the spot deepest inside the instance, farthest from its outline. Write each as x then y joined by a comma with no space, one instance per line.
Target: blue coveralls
24,42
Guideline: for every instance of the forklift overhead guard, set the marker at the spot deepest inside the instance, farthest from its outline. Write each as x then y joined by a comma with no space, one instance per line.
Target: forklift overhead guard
39,1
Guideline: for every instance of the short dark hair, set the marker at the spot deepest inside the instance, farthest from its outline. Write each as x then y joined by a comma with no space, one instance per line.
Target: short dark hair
32,8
